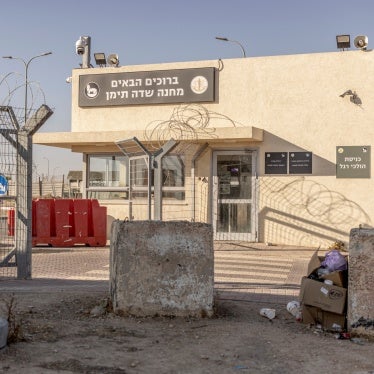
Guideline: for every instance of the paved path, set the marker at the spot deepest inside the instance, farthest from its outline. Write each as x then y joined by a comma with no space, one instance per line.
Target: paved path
248,272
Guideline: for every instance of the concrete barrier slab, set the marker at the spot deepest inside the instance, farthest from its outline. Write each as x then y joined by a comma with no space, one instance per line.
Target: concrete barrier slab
162,268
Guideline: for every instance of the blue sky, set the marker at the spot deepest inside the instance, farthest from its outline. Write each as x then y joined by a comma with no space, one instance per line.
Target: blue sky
151,31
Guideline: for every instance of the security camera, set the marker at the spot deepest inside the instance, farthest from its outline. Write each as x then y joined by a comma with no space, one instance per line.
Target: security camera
80,45
83,48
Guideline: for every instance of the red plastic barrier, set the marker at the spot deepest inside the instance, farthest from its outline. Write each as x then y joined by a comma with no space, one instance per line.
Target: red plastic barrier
83,218
64,218
66,222
44,220
11,222
99,224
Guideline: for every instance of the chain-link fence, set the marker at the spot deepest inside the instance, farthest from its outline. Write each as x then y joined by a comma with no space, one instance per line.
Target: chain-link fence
8,192
16,190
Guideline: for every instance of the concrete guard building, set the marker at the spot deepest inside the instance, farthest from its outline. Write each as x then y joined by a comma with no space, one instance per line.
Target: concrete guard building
269,149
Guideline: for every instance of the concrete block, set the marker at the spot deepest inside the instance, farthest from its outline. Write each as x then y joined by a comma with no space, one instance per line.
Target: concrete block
162,268
3,332
360,316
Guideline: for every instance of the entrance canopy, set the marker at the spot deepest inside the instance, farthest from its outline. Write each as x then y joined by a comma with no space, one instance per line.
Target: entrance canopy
97,141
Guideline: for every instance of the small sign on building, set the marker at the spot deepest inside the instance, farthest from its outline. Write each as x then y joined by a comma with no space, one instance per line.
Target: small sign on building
276,162
300,163
3,185
353,161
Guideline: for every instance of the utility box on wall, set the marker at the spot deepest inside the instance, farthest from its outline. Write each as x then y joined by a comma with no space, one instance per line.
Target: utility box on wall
162,268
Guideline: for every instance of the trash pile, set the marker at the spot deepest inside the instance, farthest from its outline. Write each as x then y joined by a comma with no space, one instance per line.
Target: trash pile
323,292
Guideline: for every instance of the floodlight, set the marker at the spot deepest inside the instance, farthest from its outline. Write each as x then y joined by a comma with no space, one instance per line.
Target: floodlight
100,59
343,41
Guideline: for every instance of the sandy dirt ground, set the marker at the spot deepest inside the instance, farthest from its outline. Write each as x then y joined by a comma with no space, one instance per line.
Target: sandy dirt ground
76,332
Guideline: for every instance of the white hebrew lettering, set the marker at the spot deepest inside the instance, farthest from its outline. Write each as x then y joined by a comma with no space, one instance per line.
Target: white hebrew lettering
351,159
149,93
180,92
148,81
111,95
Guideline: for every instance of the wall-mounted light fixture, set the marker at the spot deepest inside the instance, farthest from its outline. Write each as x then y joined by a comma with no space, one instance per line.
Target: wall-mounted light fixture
353,97
361,42
343,41
113,60
100,59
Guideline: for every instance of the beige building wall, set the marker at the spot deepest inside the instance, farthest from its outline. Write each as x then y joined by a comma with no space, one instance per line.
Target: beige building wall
286,103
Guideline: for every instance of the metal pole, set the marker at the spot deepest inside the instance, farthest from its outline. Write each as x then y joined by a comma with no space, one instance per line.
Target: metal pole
232,41
26,64
24,184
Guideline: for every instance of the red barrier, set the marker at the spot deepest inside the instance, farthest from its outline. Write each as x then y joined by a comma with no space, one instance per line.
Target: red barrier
11,222
44,220
66,222
64,218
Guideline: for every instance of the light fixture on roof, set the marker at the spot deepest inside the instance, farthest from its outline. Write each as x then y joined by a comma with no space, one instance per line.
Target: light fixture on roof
113,60
343,41
100,59
361,42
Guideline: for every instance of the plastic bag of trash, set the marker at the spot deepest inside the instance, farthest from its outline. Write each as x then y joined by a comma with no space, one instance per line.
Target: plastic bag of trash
334,260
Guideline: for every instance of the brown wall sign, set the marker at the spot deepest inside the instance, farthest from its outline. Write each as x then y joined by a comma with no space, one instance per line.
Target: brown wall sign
353,161
147,87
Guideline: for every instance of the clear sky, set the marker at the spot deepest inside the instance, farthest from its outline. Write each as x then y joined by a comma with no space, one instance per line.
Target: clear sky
157,31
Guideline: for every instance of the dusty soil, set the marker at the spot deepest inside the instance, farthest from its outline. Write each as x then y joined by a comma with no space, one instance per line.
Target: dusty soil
76,332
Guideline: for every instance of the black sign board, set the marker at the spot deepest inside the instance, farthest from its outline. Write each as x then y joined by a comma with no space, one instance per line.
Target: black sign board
147,87
300,163
276,162
353,161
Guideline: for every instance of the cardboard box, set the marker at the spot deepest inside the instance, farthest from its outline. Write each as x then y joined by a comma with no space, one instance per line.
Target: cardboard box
330,298
329,321
339,278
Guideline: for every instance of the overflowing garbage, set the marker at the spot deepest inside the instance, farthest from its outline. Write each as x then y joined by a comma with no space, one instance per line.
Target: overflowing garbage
324,289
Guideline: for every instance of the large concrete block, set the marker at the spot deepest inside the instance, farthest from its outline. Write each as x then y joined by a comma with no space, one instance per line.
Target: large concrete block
360,314
162,268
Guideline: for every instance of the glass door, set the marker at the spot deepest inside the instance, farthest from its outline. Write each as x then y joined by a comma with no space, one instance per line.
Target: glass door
234,205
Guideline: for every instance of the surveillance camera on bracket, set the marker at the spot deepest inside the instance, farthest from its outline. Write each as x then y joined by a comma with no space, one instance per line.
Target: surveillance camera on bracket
361,42
83,48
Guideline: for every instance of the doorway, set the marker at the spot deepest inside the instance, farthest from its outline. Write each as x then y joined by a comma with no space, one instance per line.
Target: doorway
234,195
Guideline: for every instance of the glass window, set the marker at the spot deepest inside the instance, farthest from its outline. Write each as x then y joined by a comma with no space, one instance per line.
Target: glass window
173,171
139,172
110,177
107,171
